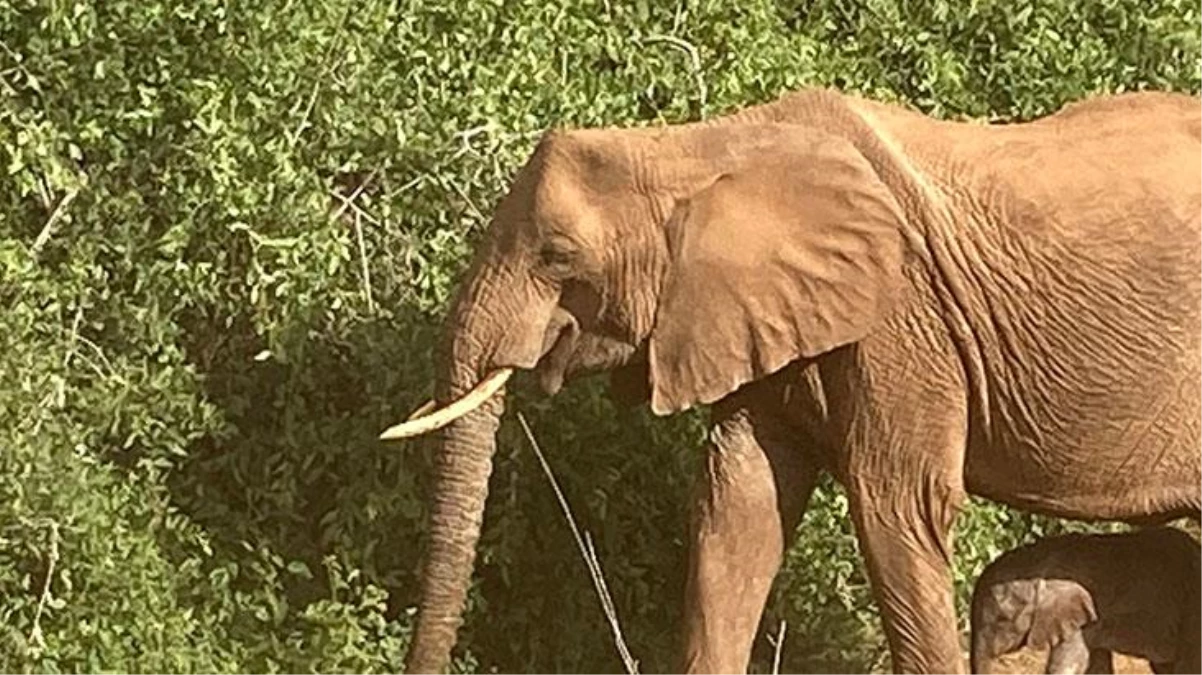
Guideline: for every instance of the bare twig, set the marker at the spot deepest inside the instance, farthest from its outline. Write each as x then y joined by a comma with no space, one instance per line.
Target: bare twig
607,605
8,88
35,634
880,662
470,204
328,67
778,647
467,135
55,216
490,130
73,343
99,352
19,61
411,184
371,305
694,57
304,120
348,201
680,12
461,145
585,543
347,204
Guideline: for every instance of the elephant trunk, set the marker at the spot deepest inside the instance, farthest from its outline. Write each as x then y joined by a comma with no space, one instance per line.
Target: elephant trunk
463,463
463,466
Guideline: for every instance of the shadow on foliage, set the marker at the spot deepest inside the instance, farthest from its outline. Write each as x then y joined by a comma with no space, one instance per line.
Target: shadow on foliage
297,468
298,471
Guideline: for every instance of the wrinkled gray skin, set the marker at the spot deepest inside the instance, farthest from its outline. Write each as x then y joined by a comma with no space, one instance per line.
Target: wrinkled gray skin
1083,597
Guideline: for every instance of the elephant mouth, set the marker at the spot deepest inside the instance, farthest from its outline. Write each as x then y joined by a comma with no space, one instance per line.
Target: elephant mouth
559,346
570,351
551,367
566,352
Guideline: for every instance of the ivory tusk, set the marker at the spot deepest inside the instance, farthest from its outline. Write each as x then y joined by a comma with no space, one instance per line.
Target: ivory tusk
426,408
453,411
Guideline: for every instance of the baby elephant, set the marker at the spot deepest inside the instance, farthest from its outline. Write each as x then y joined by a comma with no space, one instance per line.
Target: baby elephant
1084,596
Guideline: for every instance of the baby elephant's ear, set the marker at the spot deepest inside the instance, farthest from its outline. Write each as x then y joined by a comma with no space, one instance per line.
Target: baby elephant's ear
792,255
1062,607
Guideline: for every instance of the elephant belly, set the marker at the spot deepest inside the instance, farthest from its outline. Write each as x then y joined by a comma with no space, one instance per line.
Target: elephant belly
1127,467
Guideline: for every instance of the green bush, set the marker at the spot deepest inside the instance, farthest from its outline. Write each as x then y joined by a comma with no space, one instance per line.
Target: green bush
200,340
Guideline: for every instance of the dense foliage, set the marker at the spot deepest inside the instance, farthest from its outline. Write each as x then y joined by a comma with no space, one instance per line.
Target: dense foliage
200,337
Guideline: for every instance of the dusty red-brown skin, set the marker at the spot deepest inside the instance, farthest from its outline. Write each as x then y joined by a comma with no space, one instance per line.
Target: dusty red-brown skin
923,308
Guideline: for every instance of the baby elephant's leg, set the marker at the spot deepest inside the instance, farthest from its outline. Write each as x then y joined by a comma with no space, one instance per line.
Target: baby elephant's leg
1100,661
1072,656
1162,668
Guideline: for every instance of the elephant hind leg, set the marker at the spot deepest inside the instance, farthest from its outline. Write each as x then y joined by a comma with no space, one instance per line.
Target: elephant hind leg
747,503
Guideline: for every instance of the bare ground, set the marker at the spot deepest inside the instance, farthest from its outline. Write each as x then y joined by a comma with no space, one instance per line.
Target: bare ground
1032,661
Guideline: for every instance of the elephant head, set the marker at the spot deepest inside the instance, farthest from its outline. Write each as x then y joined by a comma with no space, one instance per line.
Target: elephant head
691,259
1034,613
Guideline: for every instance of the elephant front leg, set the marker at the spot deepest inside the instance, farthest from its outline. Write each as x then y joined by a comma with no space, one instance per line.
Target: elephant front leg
1072,656
904,522
745,507
1101,661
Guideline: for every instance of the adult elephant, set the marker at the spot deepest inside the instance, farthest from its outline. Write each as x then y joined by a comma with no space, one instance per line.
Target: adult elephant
924,308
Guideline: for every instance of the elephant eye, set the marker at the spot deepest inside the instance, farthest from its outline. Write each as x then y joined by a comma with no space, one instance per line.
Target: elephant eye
556,259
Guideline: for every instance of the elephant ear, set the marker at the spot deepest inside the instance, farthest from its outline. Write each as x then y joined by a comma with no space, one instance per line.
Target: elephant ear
1062,607
793,254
